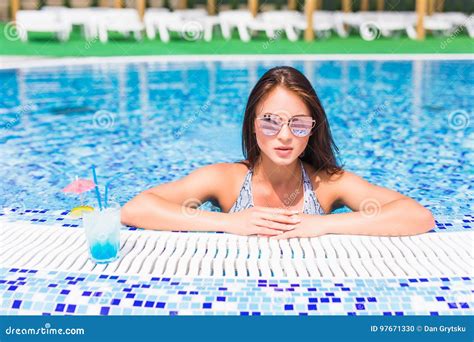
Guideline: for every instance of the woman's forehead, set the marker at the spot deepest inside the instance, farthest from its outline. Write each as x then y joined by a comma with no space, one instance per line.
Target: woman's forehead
284,103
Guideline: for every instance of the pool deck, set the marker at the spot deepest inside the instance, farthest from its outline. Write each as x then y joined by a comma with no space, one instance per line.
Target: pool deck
7,62
10,62
45,45
46,271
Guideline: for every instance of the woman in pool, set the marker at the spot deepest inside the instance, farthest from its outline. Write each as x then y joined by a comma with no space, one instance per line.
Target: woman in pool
288,184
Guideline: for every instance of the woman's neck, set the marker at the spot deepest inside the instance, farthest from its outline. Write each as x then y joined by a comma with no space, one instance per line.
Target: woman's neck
277,175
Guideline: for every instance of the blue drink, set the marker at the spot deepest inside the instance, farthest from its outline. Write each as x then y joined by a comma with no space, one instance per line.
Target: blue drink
104,252
102,230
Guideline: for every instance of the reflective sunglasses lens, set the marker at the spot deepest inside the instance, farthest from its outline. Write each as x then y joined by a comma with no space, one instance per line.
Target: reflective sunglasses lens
269,125
301,126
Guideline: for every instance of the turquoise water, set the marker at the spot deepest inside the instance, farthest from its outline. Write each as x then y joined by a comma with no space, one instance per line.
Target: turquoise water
400,124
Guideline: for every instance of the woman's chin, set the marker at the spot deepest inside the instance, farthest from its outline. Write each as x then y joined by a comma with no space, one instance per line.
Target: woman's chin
283,161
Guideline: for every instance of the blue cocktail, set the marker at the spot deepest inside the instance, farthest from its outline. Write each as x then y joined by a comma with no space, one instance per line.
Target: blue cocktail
102,230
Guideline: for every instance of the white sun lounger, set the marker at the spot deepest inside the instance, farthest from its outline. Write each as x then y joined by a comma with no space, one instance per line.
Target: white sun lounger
235,19
323,23
345,21
191,24
125,21
152,18
42,21
387,23
88,18
275,22
372,24
432,23
458,19
247,25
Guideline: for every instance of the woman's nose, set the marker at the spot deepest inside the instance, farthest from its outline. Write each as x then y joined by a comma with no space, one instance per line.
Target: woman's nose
285,132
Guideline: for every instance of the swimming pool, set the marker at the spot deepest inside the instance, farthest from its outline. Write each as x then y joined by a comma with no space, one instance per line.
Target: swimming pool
400,124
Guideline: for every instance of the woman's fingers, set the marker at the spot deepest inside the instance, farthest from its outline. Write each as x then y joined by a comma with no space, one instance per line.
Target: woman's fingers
275,225
267,231
296,233
286,235
280,218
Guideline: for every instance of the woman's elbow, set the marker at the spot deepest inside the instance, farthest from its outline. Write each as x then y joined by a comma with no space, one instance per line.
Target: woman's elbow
127,213
135,210
425,220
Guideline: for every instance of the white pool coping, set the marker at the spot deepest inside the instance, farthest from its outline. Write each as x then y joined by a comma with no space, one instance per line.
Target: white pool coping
145,253
28,62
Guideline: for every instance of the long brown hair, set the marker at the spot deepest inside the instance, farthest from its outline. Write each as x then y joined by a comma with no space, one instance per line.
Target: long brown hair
321,149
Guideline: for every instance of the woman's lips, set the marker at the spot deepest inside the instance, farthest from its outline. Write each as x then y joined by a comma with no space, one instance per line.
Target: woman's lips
283,151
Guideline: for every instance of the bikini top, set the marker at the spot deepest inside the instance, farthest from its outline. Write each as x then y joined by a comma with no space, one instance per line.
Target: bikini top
245,199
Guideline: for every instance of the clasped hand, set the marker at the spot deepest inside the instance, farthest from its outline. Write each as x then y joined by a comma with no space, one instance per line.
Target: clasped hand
275,223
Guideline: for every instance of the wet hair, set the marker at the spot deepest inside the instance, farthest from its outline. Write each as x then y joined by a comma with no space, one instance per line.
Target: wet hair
321,150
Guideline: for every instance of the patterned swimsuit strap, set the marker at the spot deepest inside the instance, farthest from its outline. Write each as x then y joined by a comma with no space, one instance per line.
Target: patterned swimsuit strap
306,179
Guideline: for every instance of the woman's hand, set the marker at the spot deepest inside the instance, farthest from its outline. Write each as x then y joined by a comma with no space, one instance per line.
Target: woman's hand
262,221
310,226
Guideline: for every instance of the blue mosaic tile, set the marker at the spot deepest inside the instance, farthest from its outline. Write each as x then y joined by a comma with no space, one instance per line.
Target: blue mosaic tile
49,217
65,293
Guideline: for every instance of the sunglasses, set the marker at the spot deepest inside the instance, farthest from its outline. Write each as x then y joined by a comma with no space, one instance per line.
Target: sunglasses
300,125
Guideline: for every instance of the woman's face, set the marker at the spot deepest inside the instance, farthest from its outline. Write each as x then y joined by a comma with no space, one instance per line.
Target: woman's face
284,147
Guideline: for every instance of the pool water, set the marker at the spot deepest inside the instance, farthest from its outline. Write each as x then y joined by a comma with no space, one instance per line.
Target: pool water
405,125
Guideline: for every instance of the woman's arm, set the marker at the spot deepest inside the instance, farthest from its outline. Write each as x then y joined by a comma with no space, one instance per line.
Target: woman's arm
376,211
172,206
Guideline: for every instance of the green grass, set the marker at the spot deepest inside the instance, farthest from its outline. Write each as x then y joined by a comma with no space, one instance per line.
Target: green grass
47,45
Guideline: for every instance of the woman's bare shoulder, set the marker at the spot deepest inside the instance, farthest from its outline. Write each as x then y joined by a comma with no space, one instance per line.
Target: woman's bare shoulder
224,177
226,169
209,182
221,169
324,177
227,179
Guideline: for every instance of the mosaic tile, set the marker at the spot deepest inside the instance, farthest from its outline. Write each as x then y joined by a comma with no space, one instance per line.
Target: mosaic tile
97,295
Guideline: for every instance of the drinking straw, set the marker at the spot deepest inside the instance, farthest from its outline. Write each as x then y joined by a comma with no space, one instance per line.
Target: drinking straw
107,185
97,192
